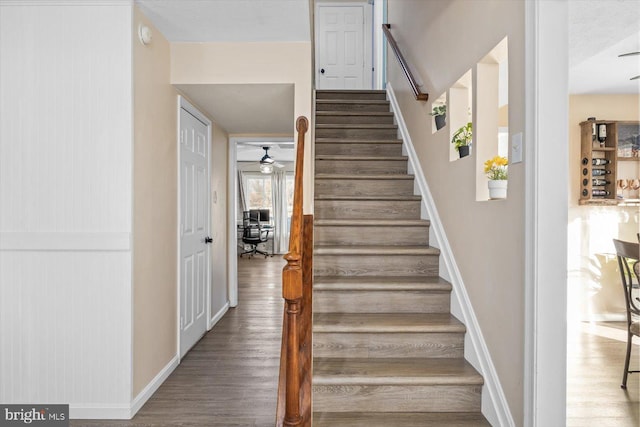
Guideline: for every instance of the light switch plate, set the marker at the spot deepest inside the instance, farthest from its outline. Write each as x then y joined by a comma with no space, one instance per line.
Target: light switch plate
516,148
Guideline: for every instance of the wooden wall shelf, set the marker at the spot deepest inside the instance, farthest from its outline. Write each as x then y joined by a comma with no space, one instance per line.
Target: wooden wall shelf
598,181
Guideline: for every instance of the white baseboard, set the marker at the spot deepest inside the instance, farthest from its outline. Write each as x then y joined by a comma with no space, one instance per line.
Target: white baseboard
216,317
494,403
153,386
99,412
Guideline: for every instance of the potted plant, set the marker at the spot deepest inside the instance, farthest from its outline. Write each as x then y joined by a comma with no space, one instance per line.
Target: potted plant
496,170
439,113
461,140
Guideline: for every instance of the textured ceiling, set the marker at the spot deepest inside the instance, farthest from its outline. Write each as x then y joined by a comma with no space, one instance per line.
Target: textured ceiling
229,20
599,31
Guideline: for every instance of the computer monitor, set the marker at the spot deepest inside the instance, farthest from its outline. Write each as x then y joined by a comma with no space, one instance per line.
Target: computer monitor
261,215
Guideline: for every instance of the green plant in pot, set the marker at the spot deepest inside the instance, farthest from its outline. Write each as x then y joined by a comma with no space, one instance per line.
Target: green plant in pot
462,138
439,113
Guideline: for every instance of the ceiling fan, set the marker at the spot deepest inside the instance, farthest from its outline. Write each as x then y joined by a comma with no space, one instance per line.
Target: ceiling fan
630,54
267,163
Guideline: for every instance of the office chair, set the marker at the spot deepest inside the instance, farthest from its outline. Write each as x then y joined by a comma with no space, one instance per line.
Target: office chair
628,255
253,235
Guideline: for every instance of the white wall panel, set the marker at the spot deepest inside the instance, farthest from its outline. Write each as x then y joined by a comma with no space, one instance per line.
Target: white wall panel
65,204
65,122
64,328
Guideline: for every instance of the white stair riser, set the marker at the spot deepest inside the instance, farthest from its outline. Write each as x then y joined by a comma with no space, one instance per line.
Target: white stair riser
380,302
362,167
347,209
396,398
363,187
357,133
375,265
385,345
371,235
365,149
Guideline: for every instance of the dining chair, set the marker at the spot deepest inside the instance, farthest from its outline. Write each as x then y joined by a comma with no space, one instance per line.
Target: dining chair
628,255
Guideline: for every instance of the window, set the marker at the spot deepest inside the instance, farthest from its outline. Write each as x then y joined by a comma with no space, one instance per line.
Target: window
258,189
290,190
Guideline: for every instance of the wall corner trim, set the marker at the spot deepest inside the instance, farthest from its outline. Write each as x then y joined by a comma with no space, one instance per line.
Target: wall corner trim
153,386
501,415
216,317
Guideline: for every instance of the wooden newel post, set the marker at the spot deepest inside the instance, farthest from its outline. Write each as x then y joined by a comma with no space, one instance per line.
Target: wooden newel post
292,293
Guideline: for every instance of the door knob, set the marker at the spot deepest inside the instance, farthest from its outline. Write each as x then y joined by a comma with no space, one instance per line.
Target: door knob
321,70
208,240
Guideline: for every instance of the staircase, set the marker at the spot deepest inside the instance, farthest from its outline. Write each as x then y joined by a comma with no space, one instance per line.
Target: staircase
387,351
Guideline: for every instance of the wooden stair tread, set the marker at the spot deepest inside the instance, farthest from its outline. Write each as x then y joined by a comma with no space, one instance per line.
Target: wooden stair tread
394,371
378,283
362,198
355,126
351,101
354,113
351,176
404,419
374,91
356,141
387,322
372,222
360,158
375,250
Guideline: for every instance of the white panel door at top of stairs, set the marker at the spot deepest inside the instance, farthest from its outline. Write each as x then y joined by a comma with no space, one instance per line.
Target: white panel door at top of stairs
341,47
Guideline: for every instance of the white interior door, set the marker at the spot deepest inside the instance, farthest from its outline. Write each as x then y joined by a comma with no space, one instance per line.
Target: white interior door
343,43
194,229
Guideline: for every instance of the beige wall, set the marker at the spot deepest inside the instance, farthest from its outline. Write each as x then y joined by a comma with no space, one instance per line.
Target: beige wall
154,208
593,281
219,200
443,40
252,63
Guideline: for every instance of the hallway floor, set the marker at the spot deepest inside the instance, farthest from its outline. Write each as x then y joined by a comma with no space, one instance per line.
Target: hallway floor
230,377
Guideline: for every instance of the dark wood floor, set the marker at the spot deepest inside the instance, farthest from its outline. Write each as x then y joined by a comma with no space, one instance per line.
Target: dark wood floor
594,373
230,377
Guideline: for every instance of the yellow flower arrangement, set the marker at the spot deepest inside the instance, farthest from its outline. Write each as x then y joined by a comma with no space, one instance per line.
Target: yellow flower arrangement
496,168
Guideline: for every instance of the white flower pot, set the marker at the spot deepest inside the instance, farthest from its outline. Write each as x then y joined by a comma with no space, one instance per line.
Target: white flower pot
498,189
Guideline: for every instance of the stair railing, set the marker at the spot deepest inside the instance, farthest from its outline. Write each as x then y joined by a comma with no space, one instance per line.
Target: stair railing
294,386
420,96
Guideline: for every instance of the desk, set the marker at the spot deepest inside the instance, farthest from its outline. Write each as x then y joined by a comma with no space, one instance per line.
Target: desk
266,227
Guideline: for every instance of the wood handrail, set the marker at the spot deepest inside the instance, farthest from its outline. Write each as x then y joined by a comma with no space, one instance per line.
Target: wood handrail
420,96
294,386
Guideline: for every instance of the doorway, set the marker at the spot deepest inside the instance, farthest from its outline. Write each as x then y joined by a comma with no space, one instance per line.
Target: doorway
344,45
245,154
